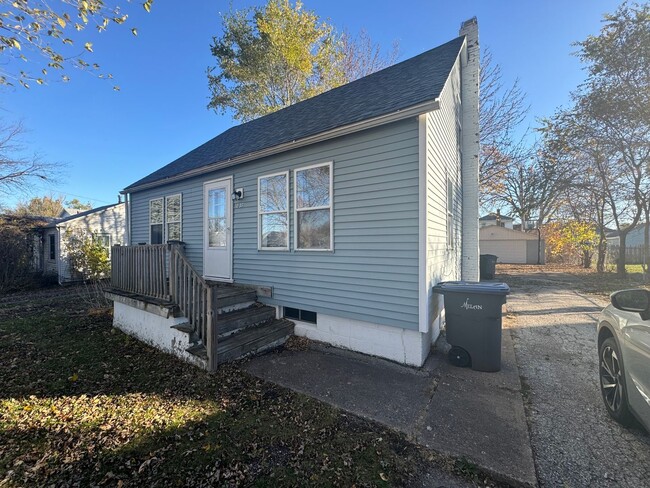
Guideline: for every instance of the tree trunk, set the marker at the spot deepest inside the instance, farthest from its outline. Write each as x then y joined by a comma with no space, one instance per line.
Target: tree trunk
646,241
602,252
620,263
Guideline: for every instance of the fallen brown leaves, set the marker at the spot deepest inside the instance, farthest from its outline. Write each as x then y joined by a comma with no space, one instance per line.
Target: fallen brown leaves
82,404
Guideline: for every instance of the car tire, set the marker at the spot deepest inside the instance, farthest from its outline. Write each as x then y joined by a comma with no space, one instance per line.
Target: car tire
612,382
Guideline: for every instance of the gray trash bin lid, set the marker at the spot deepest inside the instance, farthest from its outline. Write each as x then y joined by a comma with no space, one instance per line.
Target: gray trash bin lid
472,287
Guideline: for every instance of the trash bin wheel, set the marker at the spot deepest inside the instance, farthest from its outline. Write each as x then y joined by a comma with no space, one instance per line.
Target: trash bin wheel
459,357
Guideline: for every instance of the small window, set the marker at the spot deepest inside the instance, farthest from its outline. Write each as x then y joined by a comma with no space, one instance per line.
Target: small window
273,209
156,221
173,218
302,315
52,247
104,240
313,202
450,214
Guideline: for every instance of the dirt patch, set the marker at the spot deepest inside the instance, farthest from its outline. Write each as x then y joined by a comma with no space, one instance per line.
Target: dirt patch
566,277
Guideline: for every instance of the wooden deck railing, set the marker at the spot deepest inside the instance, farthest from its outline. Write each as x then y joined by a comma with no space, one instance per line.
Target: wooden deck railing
163,272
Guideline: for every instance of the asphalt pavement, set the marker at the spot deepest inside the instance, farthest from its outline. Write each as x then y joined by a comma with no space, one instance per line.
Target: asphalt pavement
575,443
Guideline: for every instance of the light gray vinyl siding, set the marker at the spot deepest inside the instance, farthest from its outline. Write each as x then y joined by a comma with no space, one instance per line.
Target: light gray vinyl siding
372,274
443,166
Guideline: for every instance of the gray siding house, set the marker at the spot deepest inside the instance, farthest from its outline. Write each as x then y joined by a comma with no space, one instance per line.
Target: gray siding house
342,211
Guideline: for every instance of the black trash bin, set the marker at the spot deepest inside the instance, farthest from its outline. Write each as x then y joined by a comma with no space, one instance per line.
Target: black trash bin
473,316
488,266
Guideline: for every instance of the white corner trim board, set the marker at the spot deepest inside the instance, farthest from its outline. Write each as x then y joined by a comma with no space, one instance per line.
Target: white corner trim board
401,345
154,330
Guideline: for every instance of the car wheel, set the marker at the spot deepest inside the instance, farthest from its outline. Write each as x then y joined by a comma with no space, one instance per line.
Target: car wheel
612,382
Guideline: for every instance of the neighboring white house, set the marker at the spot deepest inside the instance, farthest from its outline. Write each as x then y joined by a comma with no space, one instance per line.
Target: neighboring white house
512,246
106,224
342,211
494,218
635,238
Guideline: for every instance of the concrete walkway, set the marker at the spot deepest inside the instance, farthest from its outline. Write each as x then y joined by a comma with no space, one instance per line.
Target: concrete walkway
462,413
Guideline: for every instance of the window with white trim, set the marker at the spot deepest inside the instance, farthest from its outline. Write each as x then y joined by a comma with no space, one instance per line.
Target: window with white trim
313,208
156,213
173,219
273,212
450,214
165,219
103,240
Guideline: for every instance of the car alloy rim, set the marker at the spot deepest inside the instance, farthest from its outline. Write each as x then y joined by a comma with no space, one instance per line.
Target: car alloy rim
610,378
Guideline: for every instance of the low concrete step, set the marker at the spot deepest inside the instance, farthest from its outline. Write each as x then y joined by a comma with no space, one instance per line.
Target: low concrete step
254,340
231,322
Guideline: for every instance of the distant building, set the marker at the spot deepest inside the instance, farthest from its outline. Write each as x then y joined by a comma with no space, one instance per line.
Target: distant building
496,219
512,246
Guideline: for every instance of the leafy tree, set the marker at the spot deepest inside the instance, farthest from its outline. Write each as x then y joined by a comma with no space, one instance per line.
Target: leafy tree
50,31
570,240
271,57
608,128
46,206
86,255
77,205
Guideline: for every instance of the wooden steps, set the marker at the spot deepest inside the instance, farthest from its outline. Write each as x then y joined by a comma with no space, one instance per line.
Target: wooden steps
244,326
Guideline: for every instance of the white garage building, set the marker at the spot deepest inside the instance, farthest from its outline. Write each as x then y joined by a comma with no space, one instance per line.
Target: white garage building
511,246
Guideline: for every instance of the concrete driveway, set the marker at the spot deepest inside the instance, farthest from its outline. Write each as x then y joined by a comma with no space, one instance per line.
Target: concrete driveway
574,441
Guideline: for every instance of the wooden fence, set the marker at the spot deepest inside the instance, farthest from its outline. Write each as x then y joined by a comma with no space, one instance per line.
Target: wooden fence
633,254
162,271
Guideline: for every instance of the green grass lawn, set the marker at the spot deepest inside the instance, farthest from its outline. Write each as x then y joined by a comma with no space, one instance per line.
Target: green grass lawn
83,404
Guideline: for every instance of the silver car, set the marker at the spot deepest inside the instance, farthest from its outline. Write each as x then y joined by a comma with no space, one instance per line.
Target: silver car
624,356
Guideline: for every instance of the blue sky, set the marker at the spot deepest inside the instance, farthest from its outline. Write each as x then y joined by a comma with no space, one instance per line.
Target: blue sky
109,139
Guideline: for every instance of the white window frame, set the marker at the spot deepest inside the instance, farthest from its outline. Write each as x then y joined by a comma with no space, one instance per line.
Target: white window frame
180,214
162,199
260,213
330,207
164,216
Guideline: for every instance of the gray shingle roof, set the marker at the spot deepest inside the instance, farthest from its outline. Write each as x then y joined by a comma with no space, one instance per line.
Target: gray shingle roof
417,80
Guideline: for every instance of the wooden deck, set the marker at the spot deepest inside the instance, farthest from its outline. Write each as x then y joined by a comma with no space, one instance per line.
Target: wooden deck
224,321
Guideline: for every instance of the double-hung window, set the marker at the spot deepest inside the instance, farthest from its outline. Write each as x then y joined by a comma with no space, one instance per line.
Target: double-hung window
273,210
313,208
173,217
165,219
103,240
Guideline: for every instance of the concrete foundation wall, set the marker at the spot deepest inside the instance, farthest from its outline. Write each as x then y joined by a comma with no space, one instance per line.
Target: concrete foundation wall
155,330
400,345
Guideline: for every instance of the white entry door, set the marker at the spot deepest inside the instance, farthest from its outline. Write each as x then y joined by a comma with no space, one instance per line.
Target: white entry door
217,229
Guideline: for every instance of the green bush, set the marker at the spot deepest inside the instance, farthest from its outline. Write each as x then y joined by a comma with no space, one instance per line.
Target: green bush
87,257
